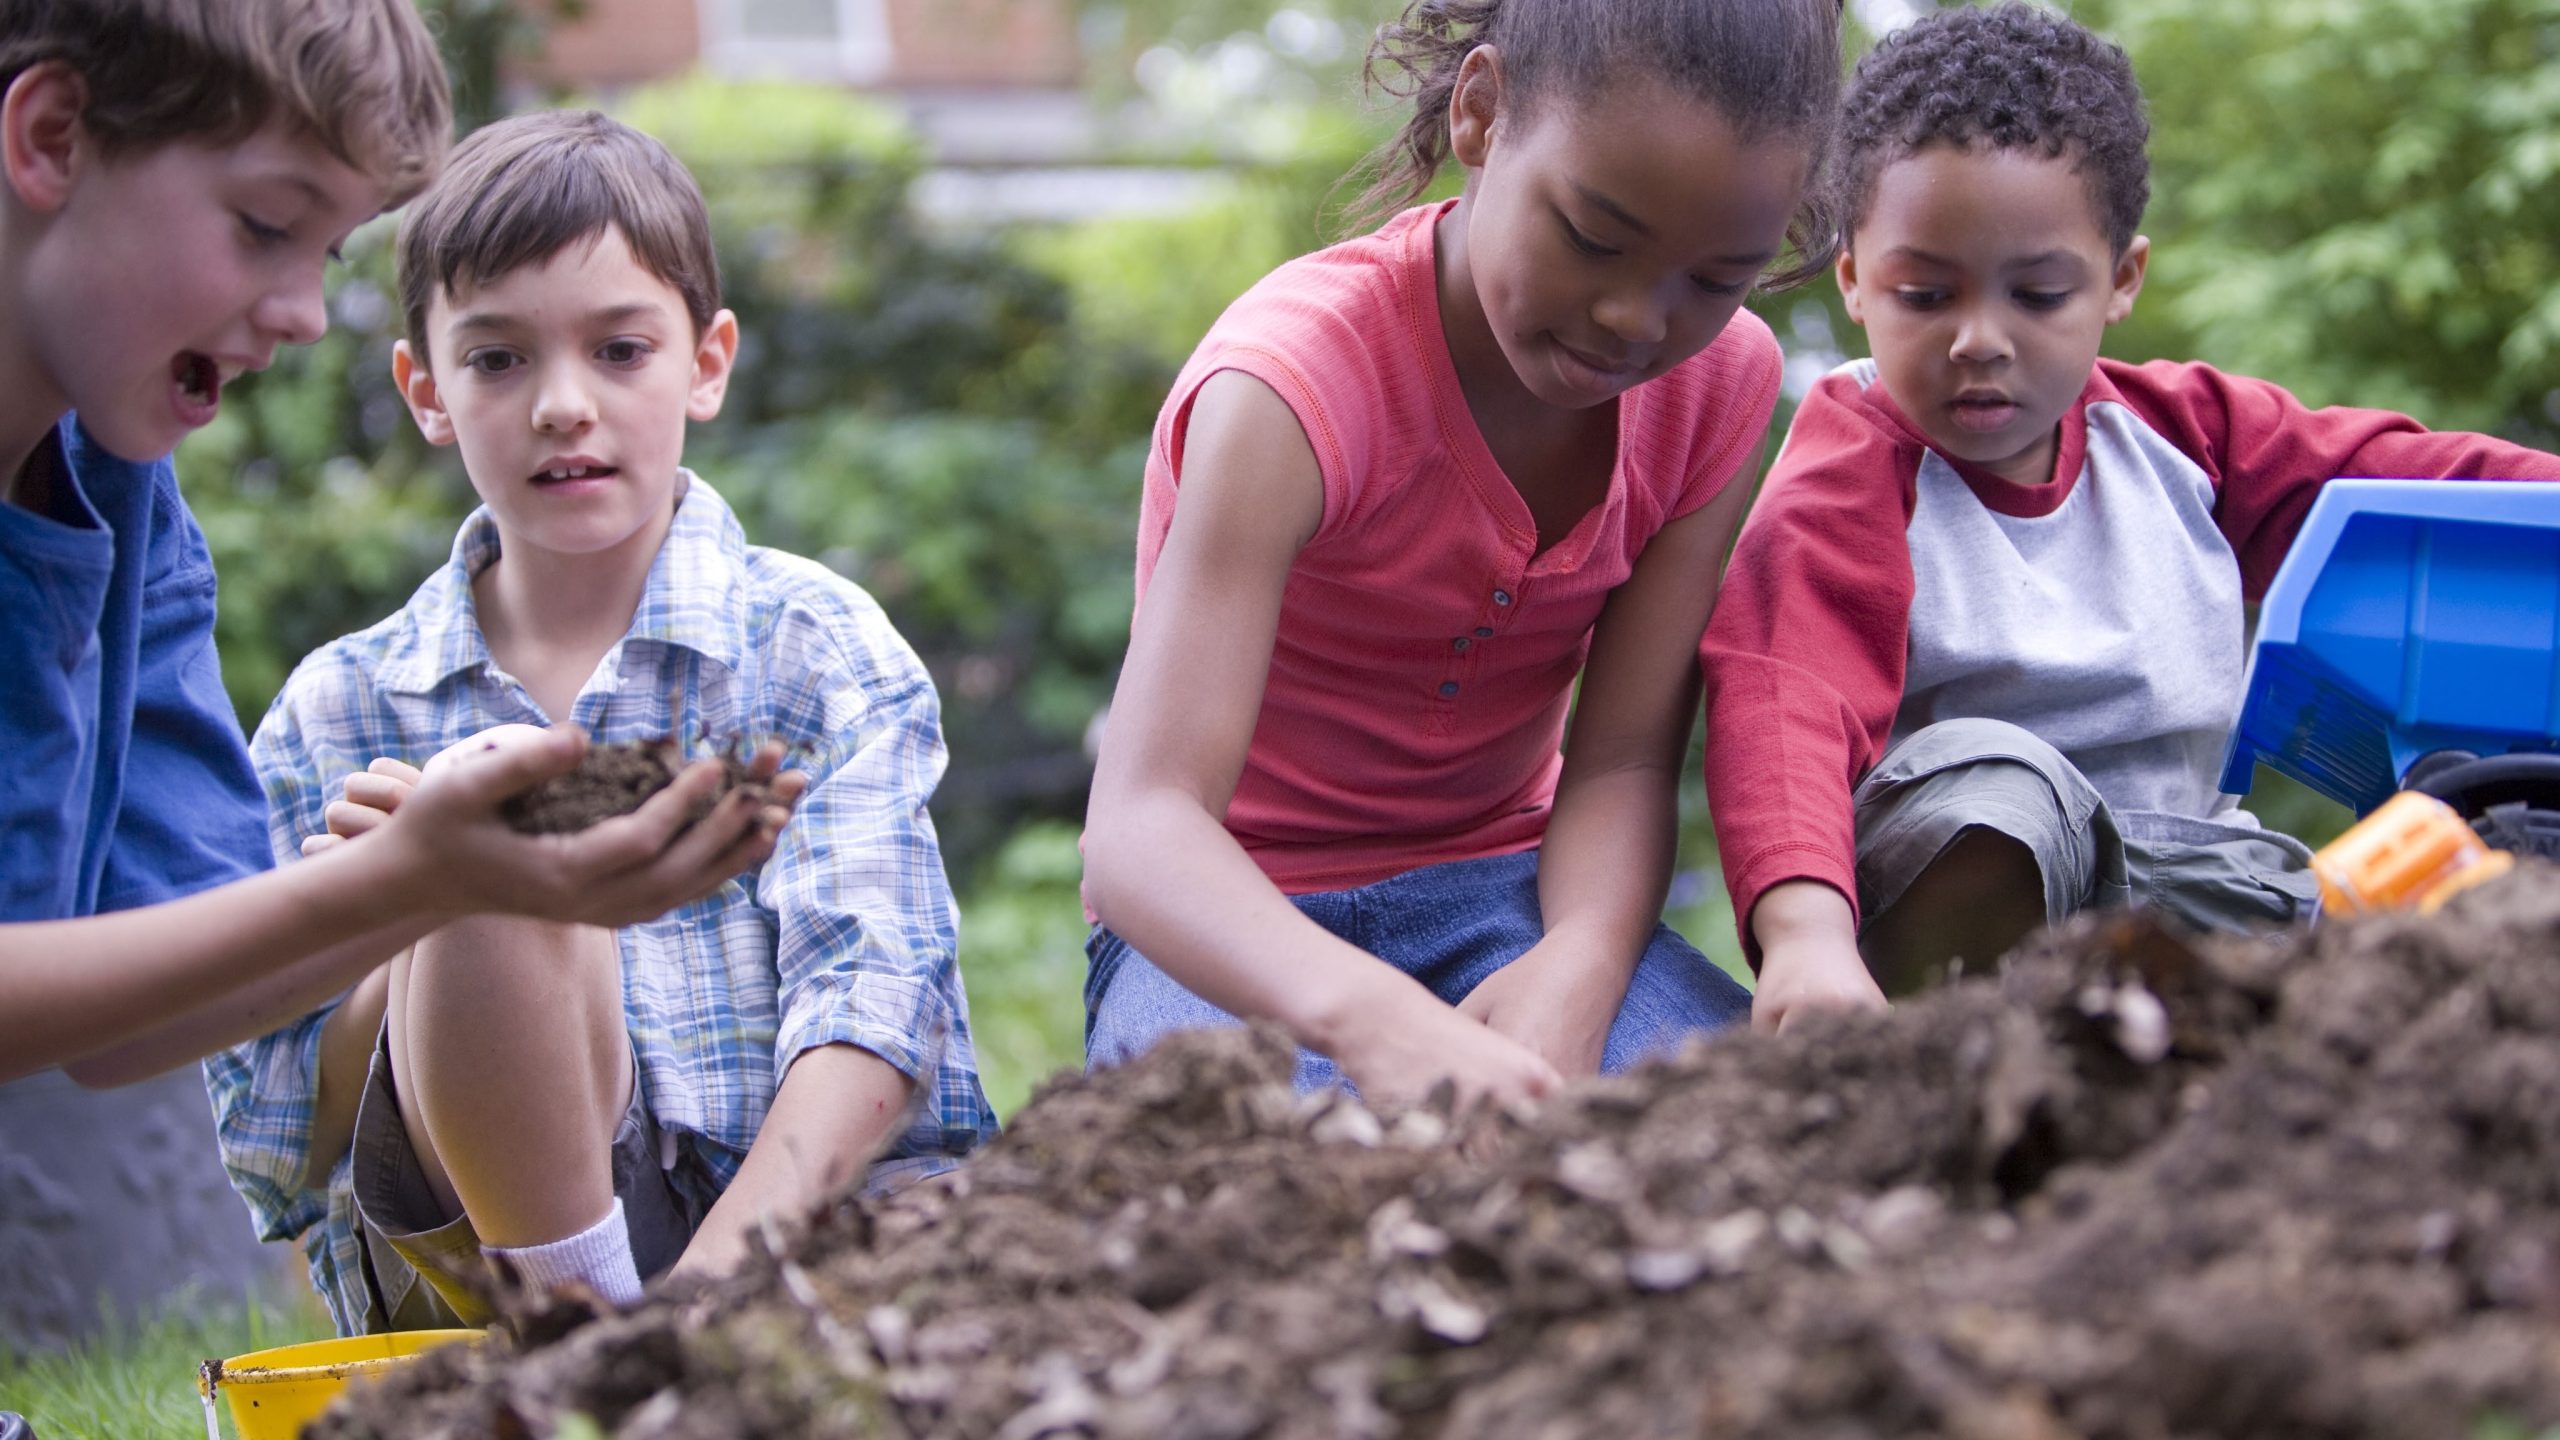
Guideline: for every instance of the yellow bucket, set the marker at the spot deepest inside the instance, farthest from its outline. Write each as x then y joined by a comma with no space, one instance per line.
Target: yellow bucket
274,1393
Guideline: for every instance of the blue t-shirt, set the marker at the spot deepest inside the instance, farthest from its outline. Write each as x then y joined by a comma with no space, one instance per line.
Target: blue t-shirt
127,780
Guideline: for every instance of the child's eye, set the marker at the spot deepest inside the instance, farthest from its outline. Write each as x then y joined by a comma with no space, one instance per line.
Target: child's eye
491,362
261,232
623,352
1573,236
1720,288
1918,298
2043,299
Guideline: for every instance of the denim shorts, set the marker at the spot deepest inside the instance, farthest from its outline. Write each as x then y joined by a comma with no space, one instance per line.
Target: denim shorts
1448,926
426,1272
2221,872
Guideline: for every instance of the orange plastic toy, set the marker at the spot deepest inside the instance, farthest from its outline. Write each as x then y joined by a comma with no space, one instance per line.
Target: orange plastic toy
2413,850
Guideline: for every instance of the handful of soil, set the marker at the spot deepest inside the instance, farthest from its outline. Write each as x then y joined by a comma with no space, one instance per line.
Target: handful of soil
613,779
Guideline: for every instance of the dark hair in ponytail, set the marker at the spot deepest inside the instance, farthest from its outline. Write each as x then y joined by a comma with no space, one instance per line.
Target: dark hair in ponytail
1770,67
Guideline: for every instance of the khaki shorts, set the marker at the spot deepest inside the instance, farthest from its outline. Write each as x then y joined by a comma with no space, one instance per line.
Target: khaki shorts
425,1272
2218,873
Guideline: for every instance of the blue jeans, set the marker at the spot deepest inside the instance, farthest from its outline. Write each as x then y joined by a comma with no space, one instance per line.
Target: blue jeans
1448,926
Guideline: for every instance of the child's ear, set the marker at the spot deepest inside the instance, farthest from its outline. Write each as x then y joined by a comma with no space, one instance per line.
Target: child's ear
1473,105
417,385
714,355
1845,271
41,137
2130,267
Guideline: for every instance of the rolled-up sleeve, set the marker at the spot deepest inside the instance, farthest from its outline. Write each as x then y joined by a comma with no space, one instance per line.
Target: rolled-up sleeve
867,933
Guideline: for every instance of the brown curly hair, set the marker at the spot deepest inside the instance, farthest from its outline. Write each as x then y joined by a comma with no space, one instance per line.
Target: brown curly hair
2009,77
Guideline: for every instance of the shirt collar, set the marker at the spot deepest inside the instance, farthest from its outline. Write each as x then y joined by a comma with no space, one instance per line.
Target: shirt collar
695,597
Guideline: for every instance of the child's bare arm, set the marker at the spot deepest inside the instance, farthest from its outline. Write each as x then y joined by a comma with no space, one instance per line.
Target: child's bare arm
837,1106
1160,867
252,1007
140,990
1606,864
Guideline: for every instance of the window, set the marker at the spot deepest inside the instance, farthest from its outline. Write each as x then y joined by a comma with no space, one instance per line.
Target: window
816,39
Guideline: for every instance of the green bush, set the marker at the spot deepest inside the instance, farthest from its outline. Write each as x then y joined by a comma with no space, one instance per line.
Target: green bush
1022,935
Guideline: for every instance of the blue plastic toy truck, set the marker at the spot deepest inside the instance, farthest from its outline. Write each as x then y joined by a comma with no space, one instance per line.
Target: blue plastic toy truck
2411,640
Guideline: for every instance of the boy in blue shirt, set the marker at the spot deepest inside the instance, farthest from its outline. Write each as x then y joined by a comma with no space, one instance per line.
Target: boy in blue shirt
174,175
601,1104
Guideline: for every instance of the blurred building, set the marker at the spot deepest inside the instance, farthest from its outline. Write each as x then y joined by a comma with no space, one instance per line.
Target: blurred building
890,45
994,88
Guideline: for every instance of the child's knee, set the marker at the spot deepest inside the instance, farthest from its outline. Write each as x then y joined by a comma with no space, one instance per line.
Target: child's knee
513,935
1989,779
1983,893
544,961
545,998
1676,992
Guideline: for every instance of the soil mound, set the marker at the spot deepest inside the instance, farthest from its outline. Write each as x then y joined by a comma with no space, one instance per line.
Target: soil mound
2135,1187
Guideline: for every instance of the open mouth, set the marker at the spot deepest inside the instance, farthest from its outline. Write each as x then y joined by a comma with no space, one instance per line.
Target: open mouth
199,385
571,474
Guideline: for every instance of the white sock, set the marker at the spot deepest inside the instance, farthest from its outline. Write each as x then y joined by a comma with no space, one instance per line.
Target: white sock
599,1256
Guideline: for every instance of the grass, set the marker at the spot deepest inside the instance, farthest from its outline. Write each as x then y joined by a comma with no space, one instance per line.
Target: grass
136,1380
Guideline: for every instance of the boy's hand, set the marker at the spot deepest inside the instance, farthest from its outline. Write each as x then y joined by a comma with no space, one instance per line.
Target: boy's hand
371,796
1559,1008
619,872
1809,956
375,792
1798,978
1399,1047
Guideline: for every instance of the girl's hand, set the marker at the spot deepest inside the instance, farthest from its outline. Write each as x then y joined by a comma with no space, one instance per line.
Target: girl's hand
1556,1007
1802,977
1396,1051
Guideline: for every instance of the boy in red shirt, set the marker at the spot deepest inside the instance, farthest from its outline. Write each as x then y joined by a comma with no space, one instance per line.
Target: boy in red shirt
1983,638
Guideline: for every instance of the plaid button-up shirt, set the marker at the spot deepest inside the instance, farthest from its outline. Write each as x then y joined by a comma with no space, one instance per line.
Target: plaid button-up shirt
847,934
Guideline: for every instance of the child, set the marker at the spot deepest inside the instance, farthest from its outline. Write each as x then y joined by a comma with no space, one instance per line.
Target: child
1402,492
1983,640
177,173
597,1104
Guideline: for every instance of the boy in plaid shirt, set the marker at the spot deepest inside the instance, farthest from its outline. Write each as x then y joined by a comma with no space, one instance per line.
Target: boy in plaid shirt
601,1105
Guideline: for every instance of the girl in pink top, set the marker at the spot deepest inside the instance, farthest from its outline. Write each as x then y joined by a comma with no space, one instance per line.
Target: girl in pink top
1406,492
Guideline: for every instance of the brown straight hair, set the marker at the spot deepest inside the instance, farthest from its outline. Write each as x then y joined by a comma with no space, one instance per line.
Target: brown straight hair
362,77
522,190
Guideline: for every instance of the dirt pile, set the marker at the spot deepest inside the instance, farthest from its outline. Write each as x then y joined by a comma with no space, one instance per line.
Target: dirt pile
2131,1189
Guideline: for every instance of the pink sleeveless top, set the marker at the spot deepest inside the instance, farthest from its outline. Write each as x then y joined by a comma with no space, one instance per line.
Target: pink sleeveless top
1426,650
